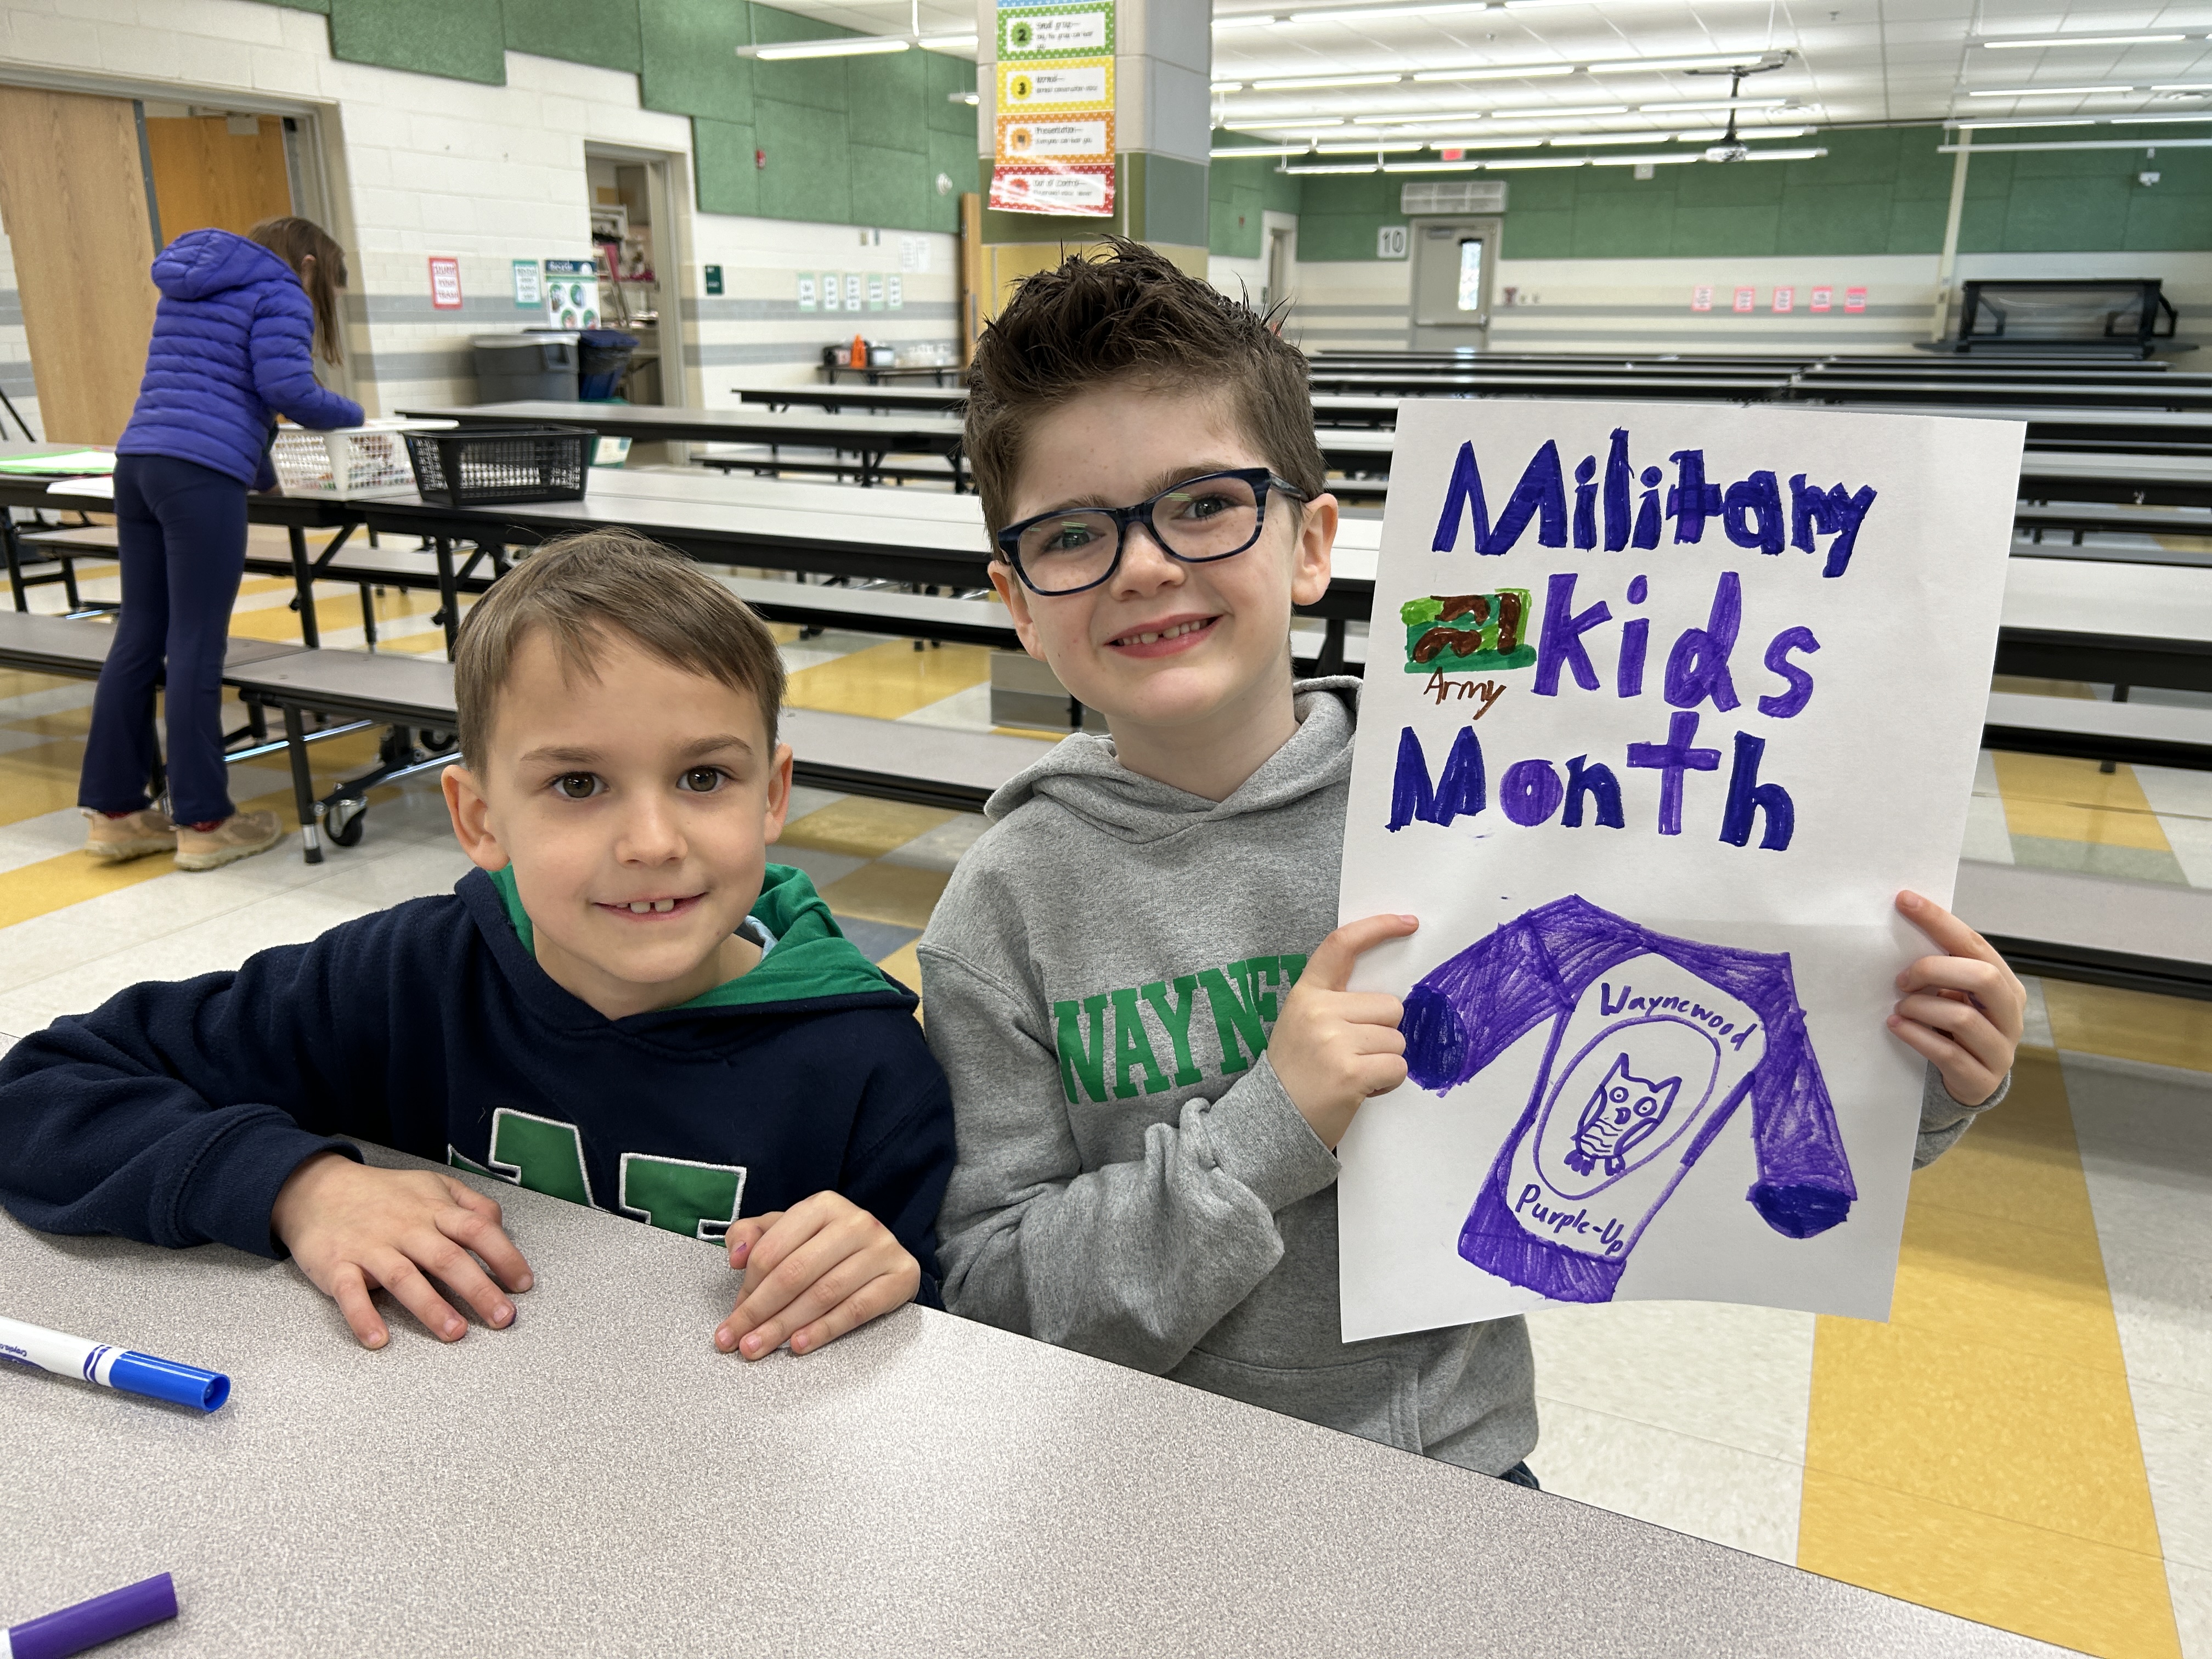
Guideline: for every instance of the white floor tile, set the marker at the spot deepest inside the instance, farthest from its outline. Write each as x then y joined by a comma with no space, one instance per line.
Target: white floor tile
963,711
2192,1588
50,835
1987,838
1697,1486
2035,1031
805,798
54,699
2175,1425
2185,792
1741,1377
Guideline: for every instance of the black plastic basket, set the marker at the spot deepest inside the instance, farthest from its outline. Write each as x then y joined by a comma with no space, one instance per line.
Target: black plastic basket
489,464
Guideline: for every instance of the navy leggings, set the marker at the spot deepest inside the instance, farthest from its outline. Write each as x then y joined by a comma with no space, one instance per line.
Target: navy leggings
181,529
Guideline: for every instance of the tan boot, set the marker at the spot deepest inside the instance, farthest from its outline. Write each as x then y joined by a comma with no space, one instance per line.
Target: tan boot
134,836
239,836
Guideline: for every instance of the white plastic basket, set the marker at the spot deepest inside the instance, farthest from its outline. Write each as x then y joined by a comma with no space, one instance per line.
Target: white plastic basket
350,463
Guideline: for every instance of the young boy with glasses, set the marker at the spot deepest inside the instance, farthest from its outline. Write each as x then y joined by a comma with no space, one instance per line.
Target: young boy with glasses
1132,979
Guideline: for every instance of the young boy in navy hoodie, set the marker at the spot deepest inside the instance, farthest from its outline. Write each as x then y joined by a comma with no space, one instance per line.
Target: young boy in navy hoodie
624,1005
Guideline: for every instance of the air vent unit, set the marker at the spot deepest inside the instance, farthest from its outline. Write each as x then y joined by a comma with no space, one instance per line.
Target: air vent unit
1459,196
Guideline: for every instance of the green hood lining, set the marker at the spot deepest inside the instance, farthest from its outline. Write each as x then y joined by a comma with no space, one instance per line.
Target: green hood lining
810,958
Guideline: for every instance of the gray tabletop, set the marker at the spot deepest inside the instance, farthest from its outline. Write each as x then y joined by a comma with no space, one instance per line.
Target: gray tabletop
598,1478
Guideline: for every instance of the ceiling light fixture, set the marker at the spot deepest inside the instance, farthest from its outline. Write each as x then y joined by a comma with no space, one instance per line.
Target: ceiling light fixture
835,45
2047,40
1710,134
1304,82
1682,106
1565,111
1535,72
1244,152
2126,120
1658,159
1256,20
1226,86
1361,14
2184,86
1387,148
948,43
1608,138
2031,121
1653,65
1370,166
2044,92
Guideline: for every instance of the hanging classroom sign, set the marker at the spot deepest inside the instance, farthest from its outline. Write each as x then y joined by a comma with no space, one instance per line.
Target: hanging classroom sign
1076,187
1032,30
444,282
1056,88
529,290
1675,699
1085,137
572,293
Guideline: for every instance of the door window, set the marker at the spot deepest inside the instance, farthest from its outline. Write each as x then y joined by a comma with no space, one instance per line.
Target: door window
1470,275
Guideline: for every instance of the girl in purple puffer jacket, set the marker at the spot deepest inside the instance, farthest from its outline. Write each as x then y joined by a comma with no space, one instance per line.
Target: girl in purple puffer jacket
231,350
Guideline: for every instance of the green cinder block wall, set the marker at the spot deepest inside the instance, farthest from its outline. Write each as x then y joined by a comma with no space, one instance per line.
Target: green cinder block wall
1883,190
851,141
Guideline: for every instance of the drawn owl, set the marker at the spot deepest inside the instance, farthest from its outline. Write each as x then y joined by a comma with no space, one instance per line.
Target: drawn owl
1623,1113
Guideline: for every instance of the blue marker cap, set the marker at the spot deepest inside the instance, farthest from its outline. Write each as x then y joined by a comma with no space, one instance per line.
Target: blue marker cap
165,1379
89,1624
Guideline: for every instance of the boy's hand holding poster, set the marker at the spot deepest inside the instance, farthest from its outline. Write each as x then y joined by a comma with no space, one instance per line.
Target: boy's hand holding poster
1663,705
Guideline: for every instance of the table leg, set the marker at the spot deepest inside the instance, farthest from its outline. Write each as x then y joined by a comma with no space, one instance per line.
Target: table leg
1331,660
303,785
14,559
449,597
310,634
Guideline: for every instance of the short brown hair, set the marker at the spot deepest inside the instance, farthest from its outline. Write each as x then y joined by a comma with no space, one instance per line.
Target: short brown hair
1130,313
579,590
295,241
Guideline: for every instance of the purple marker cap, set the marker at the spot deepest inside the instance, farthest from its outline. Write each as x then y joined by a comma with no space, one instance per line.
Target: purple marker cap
89,1624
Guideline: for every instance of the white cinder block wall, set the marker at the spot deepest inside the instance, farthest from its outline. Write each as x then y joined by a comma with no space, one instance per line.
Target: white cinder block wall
421,166
14,351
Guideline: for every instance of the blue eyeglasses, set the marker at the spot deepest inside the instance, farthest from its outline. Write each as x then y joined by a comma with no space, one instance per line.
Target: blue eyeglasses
1197,521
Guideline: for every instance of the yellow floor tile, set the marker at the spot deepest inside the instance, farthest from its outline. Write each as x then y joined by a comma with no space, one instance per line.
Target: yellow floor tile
2097,1019
17,683
2020,685
889,680
2052,1585
863,827
904,966
40,779
1989,1423
2071,801
895,893
33,889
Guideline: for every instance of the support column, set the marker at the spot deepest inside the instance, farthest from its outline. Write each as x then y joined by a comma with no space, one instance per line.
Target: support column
1163,128
1948,261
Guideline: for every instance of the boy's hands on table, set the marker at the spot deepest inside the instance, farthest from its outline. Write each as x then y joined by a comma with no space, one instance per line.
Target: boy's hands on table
813,1273
1964,1010
350,1226
1333,1048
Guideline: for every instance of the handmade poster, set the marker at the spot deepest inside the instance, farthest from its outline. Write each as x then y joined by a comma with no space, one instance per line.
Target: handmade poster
1663,704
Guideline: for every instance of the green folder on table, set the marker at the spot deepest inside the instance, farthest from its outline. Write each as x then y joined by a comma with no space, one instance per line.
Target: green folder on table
71,464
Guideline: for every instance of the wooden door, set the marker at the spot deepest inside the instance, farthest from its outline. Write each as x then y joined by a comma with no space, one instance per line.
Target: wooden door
73,196
217,172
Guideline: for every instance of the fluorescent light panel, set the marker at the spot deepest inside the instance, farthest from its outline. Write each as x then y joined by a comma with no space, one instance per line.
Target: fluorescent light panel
848,46
949,43
1303,83
2184,86
2134,121
2044,92
1539,72
1257,21
2047,40
1684,106
1391,148
1361,14
2026,121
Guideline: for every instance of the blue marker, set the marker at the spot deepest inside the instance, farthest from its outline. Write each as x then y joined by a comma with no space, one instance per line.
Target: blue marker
113,1367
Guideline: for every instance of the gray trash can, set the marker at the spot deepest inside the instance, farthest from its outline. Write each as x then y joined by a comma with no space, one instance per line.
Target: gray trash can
514,367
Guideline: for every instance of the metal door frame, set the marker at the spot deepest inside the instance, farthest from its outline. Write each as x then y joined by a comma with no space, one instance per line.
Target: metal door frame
1489,229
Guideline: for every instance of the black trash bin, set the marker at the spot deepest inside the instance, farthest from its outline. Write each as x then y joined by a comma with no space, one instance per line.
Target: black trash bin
603,355
521,368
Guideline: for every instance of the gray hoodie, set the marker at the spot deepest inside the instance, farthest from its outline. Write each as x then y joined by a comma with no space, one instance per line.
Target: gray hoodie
1134,1181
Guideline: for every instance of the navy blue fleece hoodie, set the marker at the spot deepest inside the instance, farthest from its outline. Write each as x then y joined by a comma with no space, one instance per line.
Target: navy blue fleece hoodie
173,1112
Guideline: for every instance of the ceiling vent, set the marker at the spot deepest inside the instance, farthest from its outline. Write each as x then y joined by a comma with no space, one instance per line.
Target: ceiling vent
1459,196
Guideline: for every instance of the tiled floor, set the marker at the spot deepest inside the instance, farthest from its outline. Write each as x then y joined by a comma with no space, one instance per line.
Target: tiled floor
2025,1443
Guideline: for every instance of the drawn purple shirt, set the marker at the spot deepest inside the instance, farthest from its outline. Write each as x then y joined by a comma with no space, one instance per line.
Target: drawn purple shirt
1655,1043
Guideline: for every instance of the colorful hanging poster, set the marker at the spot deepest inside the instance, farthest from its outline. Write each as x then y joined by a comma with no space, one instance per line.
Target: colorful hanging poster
572,293
1674,699
1032,30
1085,137
1055,109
